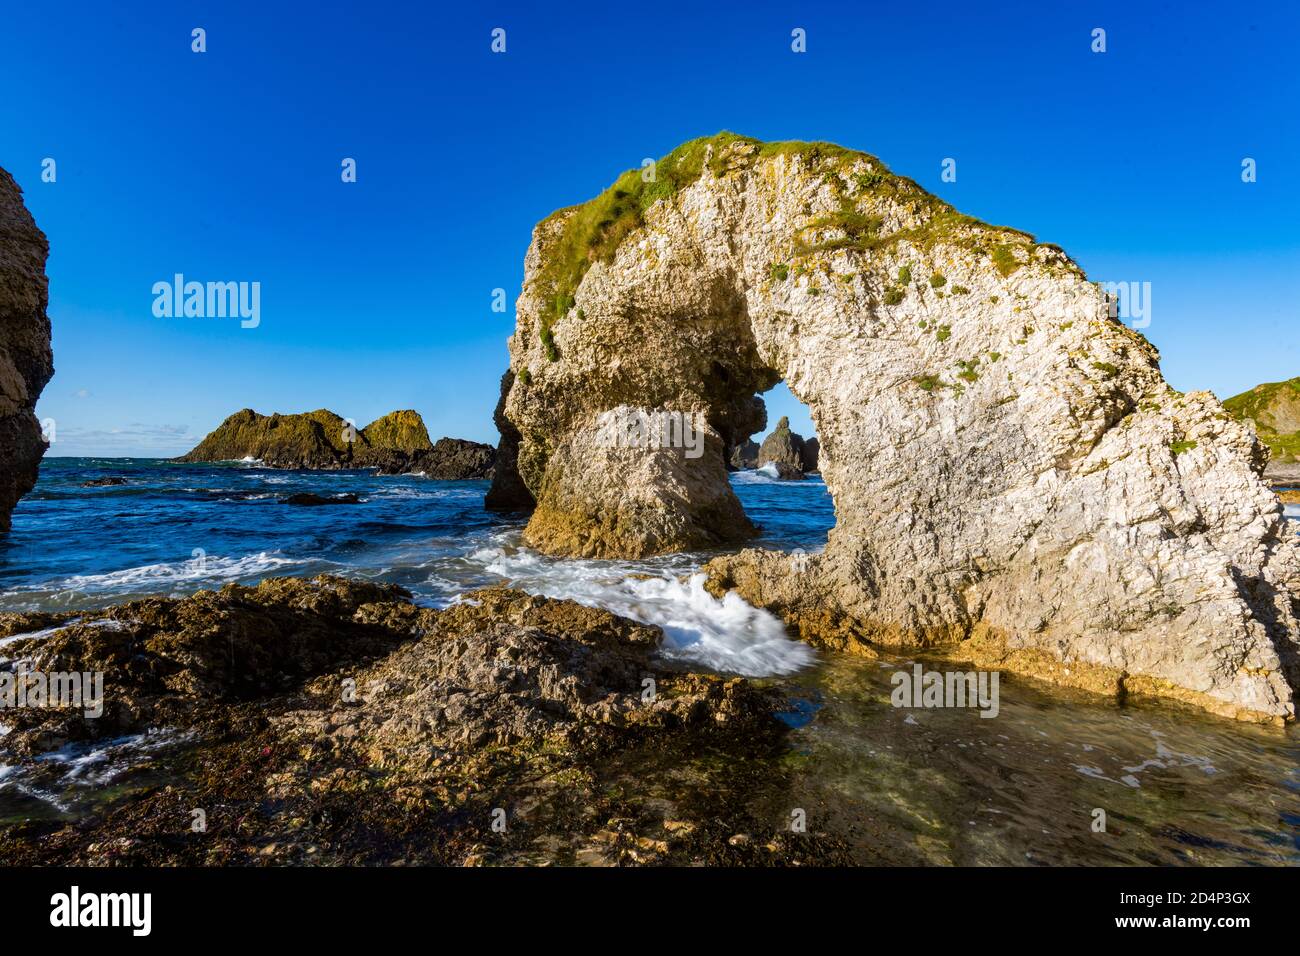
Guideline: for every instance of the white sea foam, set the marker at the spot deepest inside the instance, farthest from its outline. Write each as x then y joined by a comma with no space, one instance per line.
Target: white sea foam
159,578
95,764
766,475
57,776
724,634
112,625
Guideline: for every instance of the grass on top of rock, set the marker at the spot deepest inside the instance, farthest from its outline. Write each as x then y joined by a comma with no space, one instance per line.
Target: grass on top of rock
402,430
574,238
1274,407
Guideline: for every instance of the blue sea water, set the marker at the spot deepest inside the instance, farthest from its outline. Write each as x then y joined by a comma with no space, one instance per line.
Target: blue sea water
173,528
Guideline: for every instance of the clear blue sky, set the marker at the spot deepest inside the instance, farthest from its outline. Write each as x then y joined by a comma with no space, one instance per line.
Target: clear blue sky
377,295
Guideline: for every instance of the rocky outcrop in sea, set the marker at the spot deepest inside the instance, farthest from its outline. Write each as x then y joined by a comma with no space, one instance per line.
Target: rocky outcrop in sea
1010,470
783,450
453,459
397,443
26,361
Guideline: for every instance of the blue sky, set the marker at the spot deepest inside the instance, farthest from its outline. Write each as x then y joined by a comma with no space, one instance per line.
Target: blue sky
377,295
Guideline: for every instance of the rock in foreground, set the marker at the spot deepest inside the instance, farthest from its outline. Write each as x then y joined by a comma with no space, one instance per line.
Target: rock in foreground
1006,461
331,721
26,362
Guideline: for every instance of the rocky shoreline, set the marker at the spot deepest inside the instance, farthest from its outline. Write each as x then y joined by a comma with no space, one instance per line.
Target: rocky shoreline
334,722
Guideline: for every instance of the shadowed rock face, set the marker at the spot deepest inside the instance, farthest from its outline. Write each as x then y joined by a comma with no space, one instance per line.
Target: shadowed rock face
26,362
454,459
1009,467
744,455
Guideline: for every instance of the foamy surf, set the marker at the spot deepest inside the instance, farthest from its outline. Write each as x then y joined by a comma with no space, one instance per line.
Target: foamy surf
168,578
726,634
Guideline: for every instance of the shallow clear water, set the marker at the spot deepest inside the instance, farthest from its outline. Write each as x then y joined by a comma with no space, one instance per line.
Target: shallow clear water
897,785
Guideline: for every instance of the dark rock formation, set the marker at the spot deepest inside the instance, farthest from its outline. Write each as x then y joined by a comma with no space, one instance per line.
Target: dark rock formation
782,447
26,362
811,452
784,471
453,459
108,482
509,491
744,456
317,440
335,722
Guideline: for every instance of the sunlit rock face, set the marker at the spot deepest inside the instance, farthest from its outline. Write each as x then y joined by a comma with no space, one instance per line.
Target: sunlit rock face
1009,468
26,362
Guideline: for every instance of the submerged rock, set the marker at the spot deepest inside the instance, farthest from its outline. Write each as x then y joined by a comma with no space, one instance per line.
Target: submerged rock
26,362
1007,462
333,721
109,482
311,499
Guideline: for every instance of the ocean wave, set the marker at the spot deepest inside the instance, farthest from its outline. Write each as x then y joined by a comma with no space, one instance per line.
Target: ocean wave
160,578
724,634
768,475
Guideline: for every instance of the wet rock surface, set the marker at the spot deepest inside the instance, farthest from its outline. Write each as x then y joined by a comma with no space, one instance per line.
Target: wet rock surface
331,721
26,361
